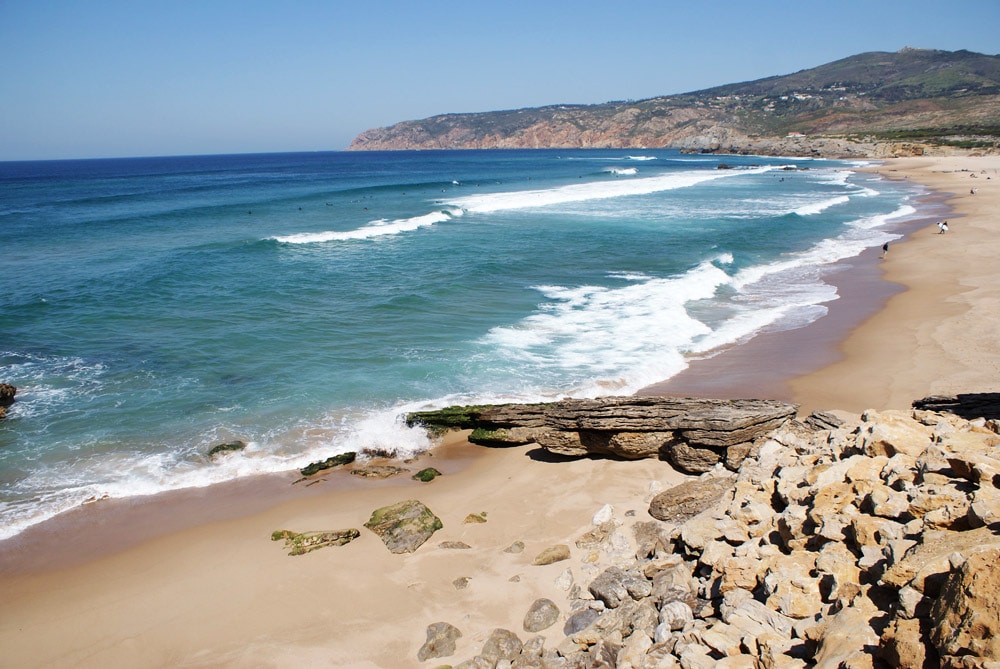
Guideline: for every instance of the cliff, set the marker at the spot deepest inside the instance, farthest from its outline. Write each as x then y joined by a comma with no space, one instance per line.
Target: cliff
873,104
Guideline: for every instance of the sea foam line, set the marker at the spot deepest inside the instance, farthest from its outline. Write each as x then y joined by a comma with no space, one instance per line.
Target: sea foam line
601,190
377,228
630,337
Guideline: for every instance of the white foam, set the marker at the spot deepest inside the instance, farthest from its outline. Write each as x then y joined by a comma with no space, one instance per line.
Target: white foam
881,219
621,171
625,337
821,206
51,489
377,228
600,190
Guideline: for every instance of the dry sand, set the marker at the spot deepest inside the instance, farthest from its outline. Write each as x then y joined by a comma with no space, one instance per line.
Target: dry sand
941,335
161,584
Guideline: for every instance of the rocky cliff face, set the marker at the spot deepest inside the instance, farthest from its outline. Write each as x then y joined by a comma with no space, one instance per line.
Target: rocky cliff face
850,108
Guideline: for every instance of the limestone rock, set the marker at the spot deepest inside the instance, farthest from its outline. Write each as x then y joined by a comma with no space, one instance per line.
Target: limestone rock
675,615
902,645
405,526
543,614
848,638
690,498
454,545
628,426
651,539
374,471
440,642
614,585
892,432
966,617
552,554
501,645
790,587
516,547
926,565
692,459
301,543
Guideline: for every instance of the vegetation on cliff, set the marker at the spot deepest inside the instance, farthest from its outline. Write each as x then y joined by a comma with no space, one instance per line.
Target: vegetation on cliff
932,98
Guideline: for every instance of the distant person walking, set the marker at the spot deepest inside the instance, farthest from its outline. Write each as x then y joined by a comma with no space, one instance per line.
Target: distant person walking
943,225
885,249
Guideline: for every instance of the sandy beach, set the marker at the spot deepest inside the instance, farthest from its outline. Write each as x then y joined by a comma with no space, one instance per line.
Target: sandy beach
195,581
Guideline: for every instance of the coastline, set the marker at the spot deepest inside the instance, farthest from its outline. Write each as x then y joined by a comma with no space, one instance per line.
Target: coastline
939,335
209,588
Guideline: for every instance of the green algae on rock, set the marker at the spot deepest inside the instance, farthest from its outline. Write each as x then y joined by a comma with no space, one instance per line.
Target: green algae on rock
426,475
329,463
449,418
405,526
301,543
228,447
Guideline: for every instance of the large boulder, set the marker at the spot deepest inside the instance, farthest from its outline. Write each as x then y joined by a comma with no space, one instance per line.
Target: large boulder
543,614
405,526
687,500
966,617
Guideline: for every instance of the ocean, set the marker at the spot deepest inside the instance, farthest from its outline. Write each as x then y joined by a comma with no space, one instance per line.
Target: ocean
151,308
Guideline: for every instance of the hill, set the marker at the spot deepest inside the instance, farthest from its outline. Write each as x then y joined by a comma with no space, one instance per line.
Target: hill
871,104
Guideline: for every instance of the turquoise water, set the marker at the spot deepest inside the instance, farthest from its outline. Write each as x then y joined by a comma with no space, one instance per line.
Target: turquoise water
151,308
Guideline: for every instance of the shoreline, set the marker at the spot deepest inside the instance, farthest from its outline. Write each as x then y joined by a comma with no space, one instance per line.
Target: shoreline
192,578
766,366
733,371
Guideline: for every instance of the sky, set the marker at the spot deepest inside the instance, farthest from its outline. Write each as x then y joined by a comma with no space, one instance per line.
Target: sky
109,78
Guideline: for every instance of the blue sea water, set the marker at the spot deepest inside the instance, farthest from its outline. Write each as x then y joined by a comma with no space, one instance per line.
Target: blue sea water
151,308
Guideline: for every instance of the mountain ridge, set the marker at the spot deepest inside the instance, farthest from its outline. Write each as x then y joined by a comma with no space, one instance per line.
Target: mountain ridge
872,104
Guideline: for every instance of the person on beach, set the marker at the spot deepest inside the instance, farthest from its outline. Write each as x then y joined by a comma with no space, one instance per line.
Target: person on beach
885,249
942,227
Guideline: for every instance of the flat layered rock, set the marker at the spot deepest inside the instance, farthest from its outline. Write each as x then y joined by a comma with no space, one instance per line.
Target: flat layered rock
692,433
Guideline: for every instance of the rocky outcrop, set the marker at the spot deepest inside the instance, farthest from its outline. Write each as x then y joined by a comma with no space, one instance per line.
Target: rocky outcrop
862,543
692,434
7,393
301,543
405,526
329,463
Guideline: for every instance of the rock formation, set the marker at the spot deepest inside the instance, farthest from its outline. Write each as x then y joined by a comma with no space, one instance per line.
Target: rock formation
692,434
405,526
860,543
301,543
7,393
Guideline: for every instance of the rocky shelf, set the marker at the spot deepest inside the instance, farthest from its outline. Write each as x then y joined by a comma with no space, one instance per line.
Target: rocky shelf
865,541
692,434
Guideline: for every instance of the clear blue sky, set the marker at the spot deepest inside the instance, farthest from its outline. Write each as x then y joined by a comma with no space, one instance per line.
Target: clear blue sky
99,78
